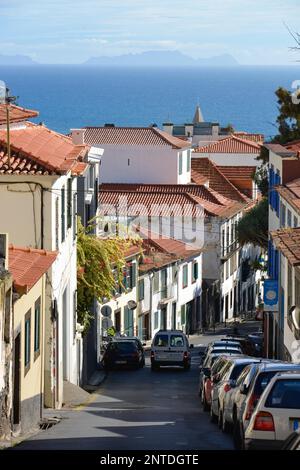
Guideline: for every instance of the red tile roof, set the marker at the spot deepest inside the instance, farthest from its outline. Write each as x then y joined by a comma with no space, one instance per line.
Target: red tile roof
231,144
20,165
259,138
164,200
204,167
79,168
288,242
16,114
237,172
294,146
53,151
291,193
28,265
132,136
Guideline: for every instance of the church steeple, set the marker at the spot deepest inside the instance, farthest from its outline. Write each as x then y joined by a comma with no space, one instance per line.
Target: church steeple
198,117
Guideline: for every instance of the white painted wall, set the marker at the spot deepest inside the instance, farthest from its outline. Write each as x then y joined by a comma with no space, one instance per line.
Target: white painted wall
230,159
143,164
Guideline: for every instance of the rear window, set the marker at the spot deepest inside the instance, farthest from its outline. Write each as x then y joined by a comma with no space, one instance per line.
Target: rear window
227,350
262,381
176,341
284,394
161,341
123,346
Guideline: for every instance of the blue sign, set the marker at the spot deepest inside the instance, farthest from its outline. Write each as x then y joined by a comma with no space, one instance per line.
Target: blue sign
270,292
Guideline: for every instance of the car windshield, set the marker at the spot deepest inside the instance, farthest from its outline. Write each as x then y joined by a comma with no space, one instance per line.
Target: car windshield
176,341
161,341
284,394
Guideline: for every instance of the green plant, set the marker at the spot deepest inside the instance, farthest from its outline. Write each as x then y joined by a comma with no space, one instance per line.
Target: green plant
253,226
95,259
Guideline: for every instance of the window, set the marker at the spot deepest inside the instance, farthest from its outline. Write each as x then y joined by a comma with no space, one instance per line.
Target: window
155,320
227,237
74,216
156,282
188,162
69,203
185,276
27,339
195,271
282,215
37,327
295,221
74,314
91,177
132,274
56,224
289,218
290,285
176,341
223,242
141,289
180,163
63,215
231,297
183,314
161,341
128,321
284,394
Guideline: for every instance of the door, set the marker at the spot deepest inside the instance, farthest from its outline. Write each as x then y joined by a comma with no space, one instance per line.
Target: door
17,383
189,312
118,320
163,318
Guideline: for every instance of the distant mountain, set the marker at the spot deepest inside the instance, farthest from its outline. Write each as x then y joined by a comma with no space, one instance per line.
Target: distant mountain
161,59
16,60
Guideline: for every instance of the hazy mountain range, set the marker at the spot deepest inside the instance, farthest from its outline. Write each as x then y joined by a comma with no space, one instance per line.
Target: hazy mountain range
144,59
161,59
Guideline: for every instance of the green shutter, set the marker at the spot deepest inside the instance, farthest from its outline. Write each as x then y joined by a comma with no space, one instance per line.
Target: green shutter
141,289
183,314
195,271
37,325
180,164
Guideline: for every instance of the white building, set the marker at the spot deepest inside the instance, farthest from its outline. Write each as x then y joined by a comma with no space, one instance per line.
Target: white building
38,197
139,155
169,287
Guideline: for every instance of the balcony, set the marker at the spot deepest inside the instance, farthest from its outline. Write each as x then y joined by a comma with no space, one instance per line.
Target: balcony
167,293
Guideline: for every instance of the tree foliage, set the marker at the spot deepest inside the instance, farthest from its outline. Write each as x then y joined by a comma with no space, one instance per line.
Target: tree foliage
253,227
289,117
95,259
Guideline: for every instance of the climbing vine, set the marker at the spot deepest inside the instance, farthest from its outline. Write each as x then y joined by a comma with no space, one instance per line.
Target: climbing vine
95,278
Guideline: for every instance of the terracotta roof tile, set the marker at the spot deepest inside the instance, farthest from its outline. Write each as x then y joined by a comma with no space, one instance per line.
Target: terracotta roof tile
27,266
237,172
203,167
132,136
259,138
16,114
20,165
288,242
291,193
231,144
79,168
163,200
54,151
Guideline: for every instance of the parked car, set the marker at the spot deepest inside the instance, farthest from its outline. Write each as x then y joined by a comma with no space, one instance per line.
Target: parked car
123,352
277,413
211,366
223,383
221,344
170,348
225,349
249,392
138,341
248,347
292,442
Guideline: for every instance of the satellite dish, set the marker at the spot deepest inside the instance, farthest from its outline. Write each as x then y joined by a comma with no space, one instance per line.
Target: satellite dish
106,311
131,304
106,323
295,314
2,92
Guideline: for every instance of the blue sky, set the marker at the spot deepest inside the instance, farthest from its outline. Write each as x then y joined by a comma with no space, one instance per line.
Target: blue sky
71,31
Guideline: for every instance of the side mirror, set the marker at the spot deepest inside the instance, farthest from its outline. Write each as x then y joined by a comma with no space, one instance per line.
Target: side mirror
243,389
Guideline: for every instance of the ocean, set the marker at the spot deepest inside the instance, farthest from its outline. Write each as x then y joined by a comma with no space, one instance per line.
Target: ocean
76,96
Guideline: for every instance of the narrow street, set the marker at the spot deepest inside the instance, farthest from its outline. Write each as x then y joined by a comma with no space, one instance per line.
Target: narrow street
138,410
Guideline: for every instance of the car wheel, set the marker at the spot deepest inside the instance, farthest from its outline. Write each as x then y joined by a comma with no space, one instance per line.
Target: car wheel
237,437
220,418
225,424
205,405
213,417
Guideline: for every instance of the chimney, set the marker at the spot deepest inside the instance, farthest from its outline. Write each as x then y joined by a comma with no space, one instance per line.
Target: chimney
168,127
77,136
4,251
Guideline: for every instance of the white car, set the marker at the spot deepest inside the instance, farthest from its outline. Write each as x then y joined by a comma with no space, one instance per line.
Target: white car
170,348
277,413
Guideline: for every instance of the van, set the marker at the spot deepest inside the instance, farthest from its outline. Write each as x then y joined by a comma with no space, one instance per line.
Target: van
170,348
